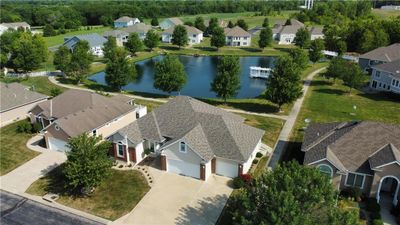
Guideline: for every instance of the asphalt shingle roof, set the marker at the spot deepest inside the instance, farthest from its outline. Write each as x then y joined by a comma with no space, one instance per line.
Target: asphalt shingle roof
391,67
14,95
190,30
93,40
124,19
236,32
386,54
138,28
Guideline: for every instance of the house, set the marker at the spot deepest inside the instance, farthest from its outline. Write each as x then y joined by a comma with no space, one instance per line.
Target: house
316,32
16,102
14,26
140,28
120,36
285,34
236,36
125,21
378,56
96,43
390,7
76,111
195,35
363,155
170,22
221,23
192,138
256,30
386,77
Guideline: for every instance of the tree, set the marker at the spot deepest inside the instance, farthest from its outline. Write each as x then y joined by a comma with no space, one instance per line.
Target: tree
80,61
154,22
212,25
108,47
290,194
266,22
188,23
218,39
48,31
169,74
152,39
265,37
230,24
300,57
303,38
241,23
87,162
119,71
288,22
199,23
227,82
284,83
179,36
62,59
353,77
134,44
316,48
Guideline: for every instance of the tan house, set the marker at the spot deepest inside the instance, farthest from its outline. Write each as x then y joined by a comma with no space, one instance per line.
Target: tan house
76,111
364,154
236,36
16,102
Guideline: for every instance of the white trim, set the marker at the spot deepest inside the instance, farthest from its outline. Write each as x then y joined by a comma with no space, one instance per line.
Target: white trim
387,164
326,160
357,174
120,144
323,164
394,202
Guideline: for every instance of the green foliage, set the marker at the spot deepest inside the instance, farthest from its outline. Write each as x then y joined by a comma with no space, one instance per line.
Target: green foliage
255,161
316,48
259,155
212,26
134,44
154,22
241,23
119,71
109,47
300,57
227,82
392,28
62,59
238,182
284,84
24,127
290,194
218,38
265,37
288,22
303,38
377,222
353,77
152,39
87,162
199,23
48,31
230,24
371,205
180,36
265,22
351,192
169,75
335,69
55,91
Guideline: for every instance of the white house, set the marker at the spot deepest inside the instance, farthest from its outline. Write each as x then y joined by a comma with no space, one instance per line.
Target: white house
195,35
125,21
386,77
140,28
316,32
170,22
236,36
379,55
120,36
14,26
192,138
96,43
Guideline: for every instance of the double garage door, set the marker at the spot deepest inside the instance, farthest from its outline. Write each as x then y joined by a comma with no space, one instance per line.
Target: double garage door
183,168
58,145
226,168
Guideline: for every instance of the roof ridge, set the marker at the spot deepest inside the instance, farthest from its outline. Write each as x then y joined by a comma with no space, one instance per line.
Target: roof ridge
325,136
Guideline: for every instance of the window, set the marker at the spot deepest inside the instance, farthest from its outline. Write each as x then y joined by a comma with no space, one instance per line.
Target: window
397,83
120,152
182,147
325,169
377,73
355,180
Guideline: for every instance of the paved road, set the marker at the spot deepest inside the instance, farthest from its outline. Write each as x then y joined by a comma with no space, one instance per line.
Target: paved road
17,210
290,122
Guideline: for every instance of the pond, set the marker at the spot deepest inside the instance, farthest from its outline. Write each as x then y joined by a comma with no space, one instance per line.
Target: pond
201,72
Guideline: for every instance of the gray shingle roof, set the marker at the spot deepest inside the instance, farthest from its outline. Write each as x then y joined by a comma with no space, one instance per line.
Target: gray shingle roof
386,54
175,21
14,95
351,143
115,33
317,30
124,19
190,30
391,67
138,28
386,154
207,129
93,40
236,32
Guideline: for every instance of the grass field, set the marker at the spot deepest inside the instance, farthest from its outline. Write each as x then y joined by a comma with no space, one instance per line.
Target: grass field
59,39
13,150
385,14
116,196
39,84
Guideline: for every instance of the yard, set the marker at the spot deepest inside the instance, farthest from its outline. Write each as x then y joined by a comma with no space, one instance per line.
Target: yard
59,39
385,14
13,150
39,84
116,196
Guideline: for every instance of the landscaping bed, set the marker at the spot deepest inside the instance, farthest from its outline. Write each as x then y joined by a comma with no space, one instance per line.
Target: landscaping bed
117,195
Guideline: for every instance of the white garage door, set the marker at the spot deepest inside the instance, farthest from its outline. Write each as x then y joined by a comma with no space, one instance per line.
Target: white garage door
183,168
226,168
58,145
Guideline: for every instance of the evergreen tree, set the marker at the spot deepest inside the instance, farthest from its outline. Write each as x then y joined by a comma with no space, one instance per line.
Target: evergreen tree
154,22
134,44
288,22
230,24
119,71
218,39
62,59
316,48
199,23
300,57
169,75
284,83
180,36
212,25
227,82
152,39
241,23
48,31
265,37
108,47
303,38
266,22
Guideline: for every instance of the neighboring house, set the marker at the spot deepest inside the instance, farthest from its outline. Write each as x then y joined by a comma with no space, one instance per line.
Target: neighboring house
76,111
221,23
316,32
14,26
364,155
16,102
236,36
140,28
285,34
378,56
96,43
120,36
390,7
386,77
125,21
170,22
195,35
192,138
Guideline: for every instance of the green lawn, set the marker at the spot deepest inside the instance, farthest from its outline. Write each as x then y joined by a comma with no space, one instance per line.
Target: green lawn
385,14
261,167
13,150
59,39
116,196
39,84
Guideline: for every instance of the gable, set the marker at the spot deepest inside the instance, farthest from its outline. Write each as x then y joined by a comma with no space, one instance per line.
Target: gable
172,152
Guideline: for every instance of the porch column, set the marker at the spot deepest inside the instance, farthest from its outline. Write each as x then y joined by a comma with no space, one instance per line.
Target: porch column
163,162
395,194
240,169
202,171
127,150
213,165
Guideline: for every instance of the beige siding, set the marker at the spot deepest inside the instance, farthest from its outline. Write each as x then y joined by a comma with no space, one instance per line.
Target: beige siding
112,127
19,113
172,152
390,170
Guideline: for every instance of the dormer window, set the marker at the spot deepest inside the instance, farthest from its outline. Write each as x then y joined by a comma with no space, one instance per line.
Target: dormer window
182,147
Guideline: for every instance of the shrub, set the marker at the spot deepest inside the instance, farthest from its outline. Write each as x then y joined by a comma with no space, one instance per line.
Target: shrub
377,222
351,192
55,91
259,155
255,161
238,182
247,178
24,127
36,128
372,205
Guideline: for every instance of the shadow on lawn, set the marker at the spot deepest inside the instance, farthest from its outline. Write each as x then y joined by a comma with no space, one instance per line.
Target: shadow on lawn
382,96
56,181
247,106
293,152
331,91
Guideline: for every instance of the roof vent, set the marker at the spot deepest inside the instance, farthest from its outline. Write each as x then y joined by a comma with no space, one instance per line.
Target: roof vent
397,71
318,134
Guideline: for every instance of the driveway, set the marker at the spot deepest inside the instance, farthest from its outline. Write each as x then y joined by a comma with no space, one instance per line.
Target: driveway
176,199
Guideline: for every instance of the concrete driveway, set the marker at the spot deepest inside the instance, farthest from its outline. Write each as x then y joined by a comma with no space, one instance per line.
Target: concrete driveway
176,199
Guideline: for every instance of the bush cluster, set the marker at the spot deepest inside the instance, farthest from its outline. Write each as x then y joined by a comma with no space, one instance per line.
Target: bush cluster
242,180
26,127
259,155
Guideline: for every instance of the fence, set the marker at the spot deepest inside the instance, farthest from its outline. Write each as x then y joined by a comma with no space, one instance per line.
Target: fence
35,74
